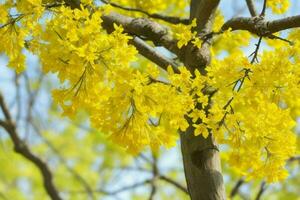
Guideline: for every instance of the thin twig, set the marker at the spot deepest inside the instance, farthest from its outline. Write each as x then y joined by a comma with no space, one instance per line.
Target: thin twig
154,176
12,21
123,189
18,98
31,100
236,188
174,183
4,109
262,189
263,11
117,191
53,5
255,53
170,19
275,37
294,158
76,175
21,148
145,158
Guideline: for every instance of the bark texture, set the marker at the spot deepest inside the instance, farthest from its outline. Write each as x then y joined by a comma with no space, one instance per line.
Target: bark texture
201,156
202,167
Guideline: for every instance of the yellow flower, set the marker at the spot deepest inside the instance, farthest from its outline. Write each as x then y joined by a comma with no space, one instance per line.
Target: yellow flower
201,129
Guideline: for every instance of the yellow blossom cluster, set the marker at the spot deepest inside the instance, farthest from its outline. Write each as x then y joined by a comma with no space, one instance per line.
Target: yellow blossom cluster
230,42
136,108
17,30
226,42
278,6
184,34
251,108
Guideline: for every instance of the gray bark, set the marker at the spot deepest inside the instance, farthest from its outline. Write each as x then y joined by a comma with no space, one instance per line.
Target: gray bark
201,156
202,167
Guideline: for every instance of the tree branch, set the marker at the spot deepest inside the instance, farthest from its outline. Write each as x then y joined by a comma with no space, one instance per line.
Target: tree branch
263,11
142,27
174,183
117,191
262,189
72,171
236,188
193,57
123,189
151,54
169,19
150,30
261,27
159,35
154,176
21,148
294,158
204,12
255,53
285,23
4,109
251,8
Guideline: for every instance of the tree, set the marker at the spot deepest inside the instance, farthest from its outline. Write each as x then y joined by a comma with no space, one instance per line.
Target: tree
205,87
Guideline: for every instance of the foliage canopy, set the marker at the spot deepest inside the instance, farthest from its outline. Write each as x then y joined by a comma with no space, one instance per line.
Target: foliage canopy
248,104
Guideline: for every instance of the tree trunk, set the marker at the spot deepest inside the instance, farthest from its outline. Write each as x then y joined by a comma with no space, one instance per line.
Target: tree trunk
202,167
201,158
